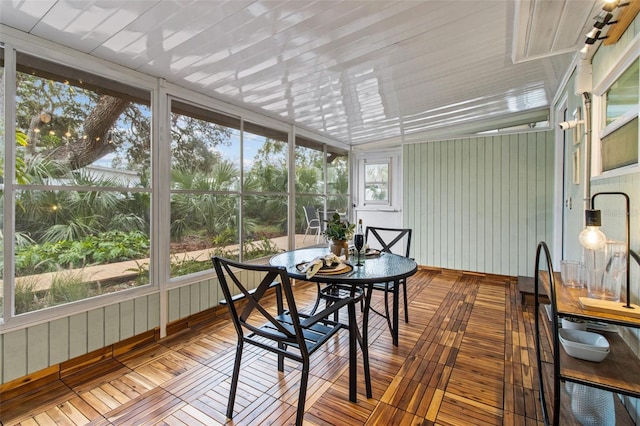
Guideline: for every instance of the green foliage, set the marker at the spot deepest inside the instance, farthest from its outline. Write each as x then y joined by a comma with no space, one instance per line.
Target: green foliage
105,247
339,230
258,249
142,273
26,299
188,265
66,287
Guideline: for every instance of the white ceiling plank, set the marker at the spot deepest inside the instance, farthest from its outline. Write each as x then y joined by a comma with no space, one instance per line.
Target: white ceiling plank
355,71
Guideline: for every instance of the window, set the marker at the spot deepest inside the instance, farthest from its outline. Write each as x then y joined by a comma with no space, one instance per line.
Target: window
310,183
82,191
619,139
265,185
205,183
376,183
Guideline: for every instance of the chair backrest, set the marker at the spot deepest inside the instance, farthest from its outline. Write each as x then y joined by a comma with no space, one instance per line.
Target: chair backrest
390,240
311,214
249,308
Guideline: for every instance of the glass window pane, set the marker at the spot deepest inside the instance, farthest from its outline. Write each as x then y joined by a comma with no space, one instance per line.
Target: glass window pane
264,225
307,230
80,121
337,171
202,225
76,131
623,96
620,148
205,158
309,170
377,183
264,160
71,245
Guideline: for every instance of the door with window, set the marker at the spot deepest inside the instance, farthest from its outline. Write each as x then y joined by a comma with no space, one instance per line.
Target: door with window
378,180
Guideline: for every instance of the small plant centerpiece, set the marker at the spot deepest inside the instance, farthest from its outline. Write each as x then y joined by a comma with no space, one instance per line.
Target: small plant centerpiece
338,232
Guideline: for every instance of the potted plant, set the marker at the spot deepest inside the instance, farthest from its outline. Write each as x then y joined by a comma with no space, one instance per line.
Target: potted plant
338,232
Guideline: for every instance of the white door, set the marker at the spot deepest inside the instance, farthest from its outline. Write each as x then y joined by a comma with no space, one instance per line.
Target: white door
378,188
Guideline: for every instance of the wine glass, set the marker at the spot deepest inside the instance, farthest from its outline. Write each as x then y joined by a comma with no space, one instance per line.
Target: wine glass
358,243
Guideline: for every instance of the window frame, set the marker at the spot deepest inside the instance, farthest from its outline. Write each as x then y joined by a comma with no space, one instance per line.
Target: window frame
387,161
601,130
75,60
160,90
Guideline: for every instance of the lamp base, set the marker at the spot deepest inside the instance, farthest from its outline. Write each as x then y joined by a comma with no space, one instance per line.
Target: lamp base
617,308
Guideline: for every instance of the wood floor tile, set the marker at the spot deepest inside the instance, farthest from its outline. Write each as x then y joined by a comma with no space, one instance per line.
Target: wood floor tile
465,357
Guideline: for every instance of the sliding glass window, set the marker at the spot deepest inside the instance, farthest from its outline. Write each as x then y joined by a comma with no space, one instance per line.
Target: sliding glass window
82,193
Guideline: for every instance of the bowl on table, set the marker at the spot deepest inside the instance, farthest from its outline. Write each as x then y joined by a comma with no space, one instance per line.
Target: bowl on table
584,344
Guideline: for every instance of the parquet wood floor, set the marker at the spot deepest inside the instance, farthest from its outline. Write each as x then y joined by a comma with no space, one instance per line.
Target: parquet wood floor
466,357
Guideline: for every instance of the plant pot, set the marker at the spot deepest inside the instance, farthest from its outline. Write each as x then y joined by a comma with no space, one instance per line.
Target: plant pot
340,247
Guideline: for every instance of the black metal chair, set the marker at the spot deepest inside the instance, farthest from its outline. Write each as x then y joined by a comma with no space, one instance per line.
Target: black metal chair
288,333
390,240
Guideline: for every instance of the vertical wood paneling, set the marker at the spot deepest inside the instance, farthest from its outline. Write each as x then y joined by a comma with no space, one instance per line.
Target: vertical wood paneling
140,315
523,196
411,179
506,240
203,295
78,335
153,313
58,341
214,292
515,250
126,319
469,201
37,347
174,304
185,301
488,205
433,206
96,336
482,211
111,324
498,220
473,205
452,166
194,298
15,356
485,202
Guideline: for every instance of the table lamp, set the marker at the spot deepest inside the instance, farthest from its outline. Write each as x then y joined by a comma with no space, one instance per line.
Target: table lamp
592,238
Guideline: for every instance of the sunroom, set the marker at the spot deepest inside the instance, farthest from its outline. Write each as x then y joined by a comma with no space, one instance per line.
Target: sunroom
142,138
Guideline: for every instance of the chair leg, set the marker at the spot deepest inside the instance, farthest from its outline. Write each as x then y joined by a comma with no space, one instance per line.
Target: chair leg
315,306
353,351
234,379
406,305
283,347
304,379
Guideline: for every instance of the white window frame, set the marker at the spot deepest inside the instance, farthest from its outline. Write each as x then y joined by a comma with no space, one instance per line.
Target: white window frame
383,161
600,130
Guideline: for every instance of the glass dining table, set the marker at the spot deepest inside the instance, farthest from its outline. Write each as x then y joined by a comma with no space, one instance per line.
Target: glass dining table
381,268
